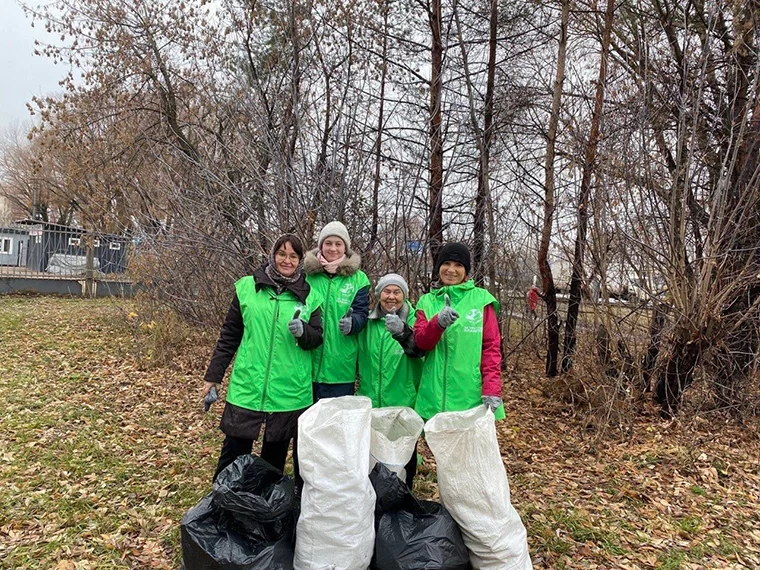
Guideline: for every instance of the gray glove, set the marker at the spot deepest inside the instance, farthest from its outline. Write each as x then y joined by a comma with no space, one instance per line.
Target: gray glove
393,323
345,323
210,398
295,325
492,402
447,316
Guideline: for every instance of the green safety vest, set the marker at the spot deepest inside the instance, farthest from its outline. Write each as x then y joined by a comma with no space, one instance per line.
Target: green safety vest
271,372
451,379
335,361
386,375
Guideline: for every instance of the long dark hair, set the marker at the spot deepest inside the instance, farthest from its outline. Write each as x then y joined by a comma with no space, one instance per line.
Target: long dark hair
295,243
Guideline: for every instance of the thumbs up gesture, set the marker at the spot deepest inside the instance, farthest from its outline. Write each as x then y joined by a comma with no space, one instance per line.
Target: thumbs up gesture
393,323
295,325
447,316
346,323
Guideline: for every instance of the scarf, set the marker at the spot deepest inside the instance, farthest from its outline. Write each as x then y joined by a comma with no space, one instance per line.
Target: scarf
278,278
330,267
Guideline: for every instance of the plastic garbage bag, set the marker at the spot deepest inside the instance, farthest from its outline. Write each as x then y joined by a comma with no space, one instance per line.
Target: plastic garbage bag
258,497
412,534
336,527
254,528
395,431
473,486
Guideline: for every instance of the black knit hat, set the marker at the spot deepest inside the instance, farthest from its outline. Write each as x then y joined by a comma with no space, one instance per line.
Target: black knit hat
453,252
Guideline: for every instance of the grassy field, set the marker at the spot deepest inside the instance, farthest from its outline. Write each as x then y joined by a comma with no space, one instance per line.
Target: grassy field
103,448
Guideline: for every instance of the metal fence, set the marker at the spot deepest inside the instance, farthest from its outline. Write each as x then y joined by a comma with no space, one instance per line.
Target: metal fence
52,258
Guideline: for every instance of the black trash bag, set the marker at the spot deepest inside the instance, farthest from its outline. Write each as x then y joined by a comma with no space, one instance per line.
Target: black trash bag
413,534
258,497
211,542
391,493
246,523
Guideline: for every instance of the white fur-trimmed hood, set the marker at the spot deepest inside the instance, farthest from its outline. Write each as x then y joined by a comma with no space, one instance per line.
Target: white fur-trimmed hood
348,266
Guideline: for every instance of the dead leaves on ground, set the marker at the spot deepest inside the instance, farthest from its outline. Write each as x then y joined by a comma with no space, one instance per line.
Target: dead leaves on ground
657,495
101,456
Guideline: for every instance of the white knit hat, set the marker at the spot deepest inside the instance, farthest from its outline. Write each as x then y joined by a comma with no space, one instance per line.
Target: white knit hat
392,279
336,229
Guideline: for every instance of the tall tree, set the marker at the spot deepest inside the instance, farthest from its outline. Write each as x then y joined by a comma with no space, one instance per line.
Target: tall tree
576,281
547,279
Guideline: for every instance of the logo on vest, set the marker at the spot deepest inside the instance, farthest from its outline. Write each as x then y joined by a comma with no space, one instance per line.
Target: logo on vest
346,296
474,318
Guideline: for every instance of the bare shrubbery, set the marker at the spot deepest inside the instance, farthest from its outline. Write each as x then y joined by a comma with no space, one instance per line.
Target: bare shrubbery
636,158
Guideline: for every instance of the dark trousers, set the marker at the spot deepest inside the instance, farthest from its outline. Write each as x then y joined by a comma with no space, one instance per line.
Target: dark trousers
411,469
322,390
273,452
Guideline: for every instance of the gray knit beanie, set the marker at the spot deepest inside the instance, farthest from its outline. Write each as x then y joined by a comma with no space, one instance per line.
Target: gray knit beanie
392,279
334,229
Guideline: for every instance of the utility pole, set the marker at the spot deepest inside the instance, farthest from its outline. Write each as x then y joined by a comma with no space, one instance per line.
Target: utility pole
89,272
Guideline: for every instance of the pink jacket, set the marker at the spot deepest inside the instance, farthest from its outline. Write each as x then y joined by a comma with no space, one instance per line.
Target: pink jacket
428,333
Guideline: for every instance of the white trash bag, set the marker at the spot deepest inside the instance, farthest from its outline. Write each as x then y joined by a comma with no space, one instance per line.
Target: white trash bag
395,431
473,486
336,529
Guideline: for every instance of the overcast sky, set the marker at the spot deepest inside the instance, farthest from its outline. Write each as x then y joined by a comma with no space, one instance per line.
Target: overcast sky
22,74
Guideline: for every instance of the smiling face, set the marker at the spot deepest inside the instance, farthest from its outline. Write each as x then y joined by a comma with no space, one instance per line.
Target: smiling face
286,260
333,248
452,273
391,297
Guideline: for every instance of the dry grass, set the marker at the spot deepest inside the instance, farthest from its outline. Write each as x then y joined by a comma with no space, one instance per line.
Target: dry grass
103,450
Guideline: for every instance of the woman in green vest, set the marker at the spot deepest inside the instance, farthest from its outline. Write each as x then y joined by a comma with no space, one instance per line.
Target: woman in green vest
332,271
272,324
458,327
389,361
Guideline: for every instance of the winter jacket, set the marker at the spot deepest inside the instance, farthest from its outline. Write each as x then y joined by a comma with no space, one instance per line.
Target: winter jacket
272,370
463,362
389,366
335,361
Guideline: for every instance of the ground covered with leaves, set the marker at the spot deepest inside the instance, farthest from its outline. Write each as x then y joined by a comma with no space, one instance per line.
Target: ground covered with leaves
104,446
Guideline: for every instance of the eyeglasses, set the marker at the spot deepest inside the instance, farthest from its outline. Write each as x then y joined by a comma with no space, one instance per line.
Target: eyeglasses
283,255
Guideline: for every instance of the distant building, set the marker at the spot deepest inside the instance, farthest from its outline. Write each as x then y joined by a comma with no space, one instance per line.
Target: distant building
47,239
14,243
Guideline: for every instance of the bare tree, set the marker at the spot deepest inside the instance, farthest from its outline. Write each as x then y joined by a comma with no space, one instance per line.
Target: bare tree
549,291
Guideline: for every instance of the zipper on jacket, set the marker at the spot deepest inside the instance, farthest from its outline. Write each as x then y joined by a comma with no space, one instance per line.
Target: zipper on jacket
380,371
322,352
271,349
445,371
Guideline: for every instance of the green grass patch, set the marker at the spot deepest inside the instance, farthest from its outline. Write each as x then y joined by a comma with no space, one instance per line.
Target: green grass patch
689,526
671,560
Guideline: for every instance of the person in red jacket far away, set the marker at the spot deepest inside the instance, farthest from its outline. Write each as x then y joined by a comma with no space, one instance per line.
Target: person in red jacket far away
531,299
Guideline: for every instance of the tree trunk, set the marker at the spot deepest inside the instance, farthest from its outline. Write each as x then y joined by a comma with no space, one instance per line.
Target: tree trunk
547,280
655,340
480,262
576,282
435,198
677,375
373,237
